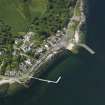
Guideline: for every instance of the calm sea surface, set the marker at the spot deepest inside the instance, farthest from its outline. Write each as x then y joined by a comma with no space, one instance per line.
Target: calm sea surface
83,75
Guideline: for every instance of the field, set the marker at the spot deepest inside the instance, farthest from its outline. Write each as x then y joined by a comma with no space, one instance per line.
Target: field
19,13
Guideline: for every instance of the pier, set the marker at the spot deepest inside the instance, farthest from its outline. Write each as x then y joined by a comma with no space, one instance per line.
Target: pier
87,48
48,81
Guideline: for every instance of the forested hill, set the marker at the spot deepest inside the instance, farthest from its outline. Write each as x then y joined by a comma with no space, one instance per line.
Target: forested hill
41,16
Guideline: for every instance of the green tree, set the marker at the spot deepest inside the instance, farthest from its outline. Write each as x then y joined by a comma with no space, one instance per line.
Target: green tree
6,45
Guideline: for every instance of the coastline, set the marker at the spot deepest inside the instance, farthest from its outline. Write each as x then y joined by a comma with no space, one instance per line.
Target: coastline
51,59
77,35
81,39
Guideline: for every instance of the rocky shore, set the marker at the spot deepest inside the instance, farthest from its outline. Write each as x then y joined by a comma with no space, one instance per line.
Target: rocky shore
76,30
75,33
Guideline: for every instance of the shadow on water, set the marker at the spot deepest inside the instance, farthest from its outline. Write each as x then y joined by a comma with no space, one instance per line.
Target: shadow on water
73,74
36,89
83,75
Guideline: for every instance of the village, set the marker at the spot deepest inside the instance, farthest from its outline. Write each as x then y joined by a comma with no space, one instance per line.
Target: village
32,54
28,55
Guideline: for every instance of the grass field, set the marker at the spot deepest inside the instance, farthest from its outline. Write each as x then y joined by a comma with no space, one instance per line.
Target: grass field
19,14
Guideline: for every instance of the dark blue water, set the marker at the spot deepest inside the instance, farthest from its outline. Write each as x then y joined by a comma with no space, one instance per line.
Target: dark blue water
83,75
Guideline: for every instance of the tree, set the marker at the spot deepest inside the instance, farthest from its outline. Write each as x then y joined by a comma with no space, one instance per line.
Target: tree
6,45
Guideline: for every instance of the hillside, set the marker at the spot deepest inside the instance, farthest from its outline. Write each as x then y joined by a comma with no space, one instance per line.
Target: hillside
19,13
31,31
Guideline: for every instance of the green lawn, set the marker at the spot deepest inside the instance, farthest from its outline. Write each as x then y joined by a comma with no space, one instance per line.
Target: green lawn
19,14
77,9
